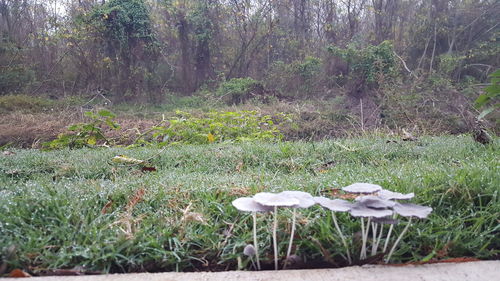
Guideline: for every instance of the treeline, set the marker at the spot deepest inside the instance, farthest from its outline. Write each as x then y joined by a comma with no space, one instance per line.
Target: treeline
138,50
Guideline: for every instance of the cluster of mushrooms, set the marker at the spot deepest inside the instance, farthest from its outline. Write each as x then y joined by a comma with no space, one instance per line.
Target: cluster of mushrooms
379,207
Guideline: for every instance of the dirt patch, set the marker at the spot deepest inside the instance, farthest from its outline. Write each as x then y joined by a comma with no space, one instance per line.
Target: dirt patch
31,130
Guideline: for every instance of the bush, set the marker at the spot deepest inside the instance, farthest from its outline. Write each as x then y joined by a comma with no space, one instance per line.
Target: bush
297,79
372,65
218,126
24,103
14,75
238,90
86,134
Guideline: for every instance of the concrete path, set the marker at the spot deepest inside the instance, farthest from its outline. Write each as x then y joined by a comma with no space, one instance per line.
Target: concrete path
470,271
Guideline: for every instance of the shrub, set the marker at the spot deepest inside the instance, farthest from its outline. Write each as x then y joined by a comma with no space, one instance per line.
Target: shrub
85,134
238,90
488,101
24,103
370,65
15,76
297,79
219,126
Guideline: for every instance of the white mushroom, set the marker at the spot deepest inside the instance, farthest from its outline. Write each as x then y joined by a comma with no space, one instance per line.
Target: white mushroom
336,205
376,202
247,204
390,195
361,187
361,210
383,221
275,200
250,251
410,211
305,201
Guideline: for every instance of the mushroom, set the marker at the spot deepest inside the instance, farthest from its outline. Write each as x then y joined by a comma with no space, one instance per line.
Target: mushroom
336,205
361,187
305,201
275,200
410,211
250,251
247,204
390,195
381,222
375,202
359,209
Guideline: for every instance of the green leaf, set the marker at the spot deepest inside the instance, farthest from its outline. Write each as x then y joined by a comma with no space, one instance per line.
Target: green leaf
92,140
487,111
106,113
482,100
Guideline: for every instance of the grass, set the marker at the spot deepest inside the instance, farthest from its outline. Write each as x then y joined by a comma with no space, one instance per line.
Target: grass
67,209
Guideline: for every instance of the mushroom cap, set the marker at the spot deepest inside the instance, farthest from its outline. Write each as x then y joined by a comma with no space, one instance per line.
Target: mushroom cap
275,199
336,205
385,220
362,187
390,195
305,199
412,210
249,250
247,204
376,202
361,210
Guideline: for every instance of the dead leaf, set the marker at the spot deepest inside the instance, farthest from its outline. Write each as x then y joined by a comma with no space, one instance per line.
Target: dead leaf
139,194
188,216
407,136
193,217
443,252
148,169
122,159
18,273
7,153
338,193
239,166
106,207
239,191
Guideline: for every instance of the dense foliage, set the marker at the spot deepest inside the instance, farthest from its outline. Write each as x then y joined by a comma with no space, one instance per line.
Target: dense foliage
140,49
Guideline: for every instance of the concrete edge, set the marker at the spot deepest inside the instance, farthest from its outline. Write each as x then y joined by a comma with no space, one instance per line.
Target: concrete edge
469,271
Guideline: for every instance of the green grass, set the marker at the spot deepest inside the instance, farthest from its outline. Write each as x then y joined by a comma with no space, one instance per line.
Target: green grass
51,203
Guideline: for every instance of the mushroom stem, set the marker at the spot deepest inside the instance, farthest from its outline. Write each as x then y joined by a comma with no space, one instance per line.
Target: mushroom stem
289,251
275,241
364,237
253,263
341,237
388,236
379,236
374,241
256,246
397,241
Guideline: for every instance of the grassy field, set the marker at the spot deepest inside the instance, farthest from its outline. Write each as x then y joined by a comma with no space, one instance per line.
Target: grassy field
78,210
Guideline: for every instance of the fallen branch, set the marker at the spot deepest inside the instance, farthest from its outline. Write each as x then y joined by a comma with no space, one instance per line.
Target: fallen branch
405,66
